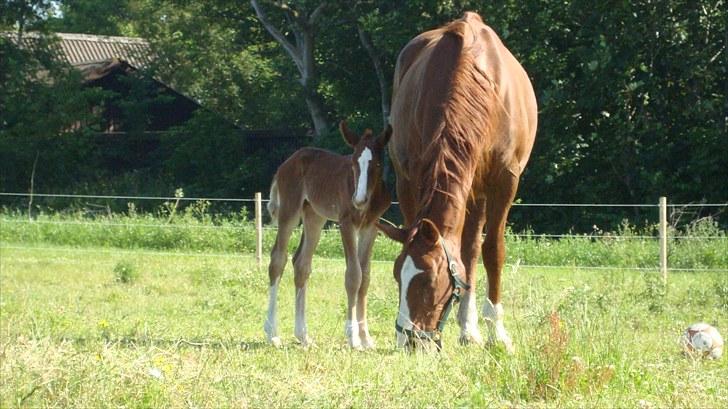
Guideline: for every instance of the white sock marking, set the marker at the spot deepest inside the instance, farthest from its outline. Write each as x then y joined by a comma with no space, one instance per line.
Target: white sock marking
271,322
300,330
493,315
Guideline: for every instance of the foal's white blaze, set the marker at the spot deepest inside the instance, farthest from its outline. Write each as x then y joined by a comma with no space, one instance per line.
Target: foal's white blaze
409,271
361,188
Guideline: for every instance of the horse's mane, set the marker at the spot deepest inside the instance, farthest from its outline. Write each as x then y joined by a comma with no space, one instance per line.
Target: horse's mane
458,138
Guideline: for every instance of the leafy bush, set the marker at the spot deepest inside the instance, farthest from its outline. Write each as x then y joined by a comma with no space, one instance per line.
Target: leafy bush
125,272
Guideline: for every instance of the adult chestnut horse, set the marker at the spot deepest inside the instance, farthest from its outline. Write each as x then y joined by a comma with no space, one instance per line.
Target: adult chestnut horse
464,119
316,185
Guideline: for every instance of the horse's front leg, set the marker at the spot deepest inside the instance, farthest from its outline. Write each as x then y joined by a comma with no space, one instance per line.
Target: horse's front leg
470,251
494,253
367,235
352,282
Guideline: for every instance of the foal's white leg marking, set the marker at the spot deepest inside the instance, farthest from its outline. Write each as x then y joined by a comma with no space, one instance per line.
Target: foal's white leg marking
271,323
409,271
469,331
493,315
351,329
361,187
301,330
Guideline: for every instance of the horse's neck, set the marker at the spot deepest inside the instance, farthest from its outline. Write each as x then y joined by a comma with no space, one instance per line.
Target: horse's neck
448,205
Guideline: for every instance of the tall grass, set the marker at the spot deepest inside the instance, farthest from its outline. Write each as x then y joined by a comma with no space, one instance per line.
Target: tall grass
194,229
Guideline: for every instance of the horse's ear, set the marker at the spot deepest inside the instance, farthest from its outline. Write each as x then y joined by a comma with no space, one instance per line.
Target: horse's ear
393,232
429,232
384,137
350,137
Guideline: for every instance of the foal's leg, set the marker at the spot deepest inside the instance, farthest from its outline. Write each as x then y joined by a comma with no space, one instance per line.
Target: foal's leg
312,225
287,221
367,235
470,251
498,204
352,282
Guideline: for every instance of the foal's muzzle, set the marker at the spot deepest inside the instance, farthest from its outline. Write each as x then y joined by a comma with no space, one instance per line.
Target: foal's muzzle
360,205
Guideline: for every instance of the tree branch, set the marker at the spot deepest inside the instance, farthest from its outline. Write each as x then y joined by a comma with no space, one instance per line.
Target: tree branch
316,14
292,50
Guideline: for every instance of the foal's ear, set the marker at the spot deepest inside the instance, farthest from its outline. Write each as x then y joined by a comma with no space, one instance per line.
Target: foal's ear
393,232
429,232
350,137
384,137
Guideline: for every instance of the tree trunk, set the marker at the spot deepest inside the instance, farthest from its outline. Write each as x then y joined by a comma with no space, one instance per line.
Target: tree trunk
302,54
366,41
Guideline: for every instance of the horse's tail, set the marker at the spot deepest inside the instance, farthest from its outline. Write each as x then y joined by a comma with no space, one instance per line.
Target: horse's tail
273,202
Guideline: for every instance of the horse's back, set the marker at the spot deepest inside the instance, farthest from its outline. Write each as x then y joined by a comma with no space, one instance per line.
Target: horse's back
465,60
317,176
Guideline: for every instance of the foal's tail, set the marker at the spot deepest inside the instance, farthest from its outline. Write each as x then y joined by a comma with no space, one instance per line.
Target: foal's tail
273,202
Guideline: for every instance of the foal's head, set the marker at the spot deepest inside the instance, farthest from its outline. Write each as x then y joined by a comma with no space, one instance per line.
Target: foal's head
366,161
431,276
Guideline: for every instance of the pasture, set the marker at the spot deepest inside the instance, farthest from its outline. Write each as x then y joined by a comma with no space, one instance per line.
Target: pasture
86,324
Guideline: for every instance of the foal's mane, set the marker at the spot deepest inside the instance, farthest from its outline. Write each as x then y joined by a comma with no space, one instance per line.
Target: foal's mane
450,160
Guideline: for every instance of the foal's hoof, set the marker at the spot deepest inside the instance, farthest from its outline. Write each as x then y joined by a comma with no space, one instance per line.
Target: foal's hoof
306,342
368,343
276,342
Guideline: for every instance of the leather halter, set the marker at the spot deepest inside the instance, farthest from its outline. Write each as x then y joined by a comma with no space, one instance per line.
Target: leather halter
458,286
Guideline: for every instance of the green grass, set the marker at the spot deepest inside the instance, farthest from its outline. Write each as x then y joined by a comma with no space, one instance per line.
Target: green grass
74,335
195,230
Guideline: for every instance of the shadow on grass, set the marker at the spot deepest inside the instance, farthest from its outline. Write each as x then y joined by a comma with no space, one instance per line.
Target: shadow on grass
175,343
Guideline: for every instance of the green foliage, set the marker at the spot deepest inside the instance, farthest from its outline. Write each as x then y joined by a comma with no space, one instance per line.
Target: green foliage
632,96
125,272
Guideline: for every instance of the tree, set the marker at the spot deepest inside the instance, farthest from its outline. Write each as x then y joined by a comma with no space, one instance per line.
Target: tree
303,24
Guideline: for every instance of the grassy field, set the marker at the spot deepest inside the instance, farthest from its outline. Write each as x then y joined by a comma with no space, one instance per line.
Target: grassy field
89,326
195,230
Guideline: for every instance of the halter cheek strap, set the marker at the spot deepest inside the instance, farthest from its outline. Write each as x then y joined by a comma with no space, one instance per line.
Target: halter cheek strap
458,286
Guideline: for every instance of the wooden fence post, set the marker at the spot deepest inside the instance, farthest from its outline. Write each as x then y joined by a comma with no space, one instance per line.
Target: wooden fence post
258,229
663,238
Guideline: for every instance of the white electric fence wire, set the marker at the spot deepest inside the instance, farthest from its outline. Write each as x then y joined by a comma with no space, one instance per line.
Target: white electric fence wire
217,199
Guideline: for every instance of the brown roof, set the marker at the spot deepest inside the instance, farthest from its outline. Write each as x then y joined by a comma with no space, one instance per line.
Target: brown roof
81,49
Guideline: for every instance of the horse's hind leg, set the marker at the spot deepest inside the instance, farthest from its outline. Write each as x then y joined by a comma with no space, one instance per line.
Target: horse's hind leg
367,235
312,225
498,204
287,221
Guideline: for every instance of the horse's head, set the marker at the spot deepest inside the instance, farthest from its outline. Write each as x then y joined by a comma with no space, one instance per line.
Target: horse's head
366,161
428,273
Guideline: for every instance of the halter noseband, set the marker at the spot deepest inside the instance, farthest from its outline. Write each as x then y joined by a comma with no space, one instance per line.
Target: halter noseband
458,286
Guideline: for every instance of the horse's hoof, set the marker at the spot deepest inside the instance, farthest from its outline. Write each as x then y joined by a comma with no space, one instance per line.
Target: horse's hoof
471,339
506,344
276,342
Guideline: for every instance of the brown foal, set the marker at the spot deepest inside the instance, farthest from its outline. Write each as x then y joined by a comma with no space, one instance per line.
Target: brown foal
316,185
